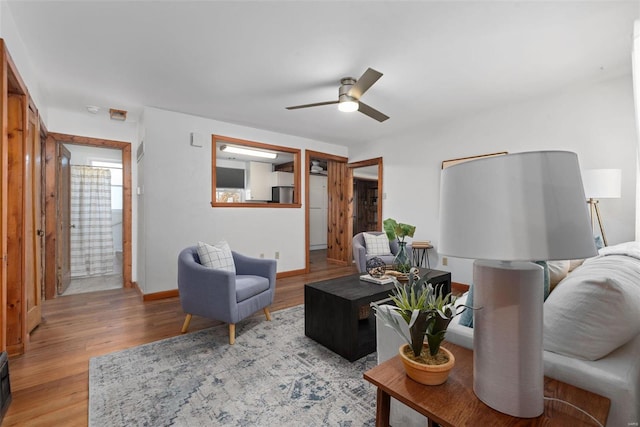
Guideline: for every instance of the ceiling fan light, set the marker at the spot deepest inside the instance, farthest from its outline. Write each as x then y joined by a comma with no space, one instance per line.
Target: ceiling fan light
348,106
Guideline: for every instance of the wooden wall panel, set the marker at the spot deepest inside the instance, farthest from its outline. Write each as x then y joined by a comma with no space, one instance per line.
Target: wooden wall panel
339,219
4,178
16,313
50,215
13,121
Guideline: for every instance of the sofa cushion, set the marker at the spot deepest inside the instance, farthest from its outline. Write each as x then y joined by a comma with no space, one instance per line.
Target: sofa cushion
216,256
248,286
376,244
595,310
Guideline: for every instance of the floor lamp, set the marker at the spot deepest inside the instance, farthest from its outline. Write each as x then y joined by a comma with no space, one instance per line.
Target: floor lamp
600,184
505,212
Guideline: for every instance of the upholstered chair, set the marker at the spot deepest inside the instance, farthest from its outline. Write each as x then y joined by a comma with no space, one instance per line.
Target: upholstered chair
224,295
361,255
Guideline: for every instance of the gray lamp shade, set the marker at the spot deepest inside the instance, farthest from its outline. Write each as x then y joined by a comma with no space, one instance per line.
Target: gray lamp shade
516,207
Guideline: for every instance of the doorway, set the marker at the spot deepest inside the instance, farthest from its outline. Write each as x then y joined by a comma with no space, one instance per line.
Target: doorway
95,199
58,255
367,195
326,204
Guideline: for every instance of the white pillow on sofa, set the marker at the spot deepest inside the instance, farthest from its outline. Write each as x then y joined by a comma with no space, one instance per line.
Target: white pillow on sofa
216,256
377,244
595,310
558,270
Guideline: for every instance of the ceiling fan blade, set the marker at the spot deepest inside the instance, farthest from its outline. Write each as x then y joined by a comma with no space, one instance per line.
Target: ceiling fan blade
364,82
371,112
317,104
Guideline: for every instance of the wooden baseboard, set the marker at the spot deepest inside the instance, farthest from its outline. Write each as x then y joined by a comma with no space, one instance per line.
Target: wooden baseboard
458,288
290,273
174,292
160,295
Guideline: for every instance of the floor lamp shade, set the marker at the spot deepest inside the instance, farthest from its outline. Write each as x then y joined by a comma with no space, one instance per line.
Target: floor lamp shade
602,183
506,211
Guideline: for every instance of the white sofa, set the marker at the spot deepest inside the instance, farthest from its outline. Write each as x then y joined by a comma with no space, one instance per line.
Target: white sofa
615,375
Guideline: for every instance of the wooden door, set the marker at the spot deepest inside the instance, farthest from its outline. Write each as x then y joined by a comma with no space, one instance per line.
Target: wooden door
339,224
33,227
63,251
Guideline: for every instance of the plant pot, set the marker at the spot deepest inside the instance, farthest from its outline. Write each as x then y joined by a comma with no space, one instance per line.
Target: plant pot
427,374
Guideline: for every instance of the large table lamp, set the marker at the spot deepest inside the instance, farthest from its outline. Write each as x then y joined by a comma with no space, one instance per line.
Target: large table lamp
506,212
601,184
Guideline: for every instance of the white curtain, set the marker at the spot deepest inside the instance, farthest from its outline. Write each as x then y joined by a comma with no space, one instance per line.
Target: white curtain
91,235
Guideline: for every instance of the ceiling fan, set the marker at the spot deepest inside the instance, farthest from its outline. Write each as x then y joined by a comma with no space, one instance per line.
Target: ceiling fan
349,96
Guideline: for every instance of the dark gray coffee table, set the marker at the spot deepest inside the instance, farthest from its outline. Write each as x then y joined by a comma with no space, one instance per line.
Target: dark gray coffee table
337,314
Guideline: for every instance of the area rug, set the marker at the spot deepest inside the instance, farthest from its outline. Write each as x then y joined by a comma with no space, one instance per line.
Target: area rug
273,376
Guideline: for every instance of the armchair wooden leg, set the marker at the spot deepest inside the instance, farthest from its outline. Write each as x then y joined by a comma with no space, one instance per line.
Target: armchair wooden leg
232,333
266,313
185,325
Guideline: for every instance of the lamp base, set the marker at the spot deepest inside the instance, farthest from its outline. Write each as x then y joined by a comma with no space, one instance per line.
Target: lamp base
507,346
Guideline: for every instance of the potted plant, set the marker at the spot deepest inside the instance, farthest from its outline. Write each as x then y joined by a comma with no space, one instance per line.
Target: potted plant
426,313
399,231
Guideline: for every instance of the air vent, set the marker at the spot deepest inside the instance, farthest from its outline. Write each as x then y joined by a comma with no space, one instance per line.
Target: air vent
140,151
120,115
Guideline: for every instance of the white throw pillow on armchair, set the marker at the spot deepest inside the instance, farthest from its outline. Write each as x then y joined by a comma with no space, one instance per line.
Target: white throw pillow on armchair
376,244
216,256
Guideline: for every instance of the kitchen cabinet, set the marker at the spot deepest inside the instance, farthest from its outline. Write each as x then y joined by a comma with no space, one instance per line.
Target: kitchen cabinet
281,179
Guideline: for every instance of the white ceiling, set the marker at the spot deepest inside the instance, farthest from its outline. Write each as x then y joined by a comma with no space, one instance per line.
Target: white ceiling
244,62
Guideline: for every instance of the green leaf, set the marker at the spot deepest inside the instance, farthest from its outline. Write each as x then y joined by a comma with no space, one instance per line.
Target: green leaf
390,228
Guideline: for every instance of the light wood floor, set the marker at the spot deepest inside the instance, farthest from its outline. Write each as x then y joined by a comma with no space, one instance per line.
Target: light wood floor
50,383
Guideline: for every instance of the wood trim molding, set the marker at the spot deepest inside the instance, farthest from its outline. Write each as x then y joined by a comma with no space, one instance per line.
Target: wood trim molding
260,145
161,295
363,163
290,273
4,177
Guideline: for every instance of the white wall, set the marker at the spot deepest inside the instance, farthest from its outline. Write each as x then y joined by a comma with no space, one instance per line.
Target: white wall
15,46
177,197
596,122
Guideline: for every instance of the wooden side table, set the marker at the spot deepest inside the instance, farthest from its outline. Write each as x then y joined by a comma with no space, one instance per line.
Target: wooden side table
454,403
420,251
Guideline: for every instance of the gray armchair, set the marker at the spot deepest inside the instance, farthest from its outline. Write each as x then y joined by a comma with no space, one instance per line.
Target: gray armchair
223,295
360,251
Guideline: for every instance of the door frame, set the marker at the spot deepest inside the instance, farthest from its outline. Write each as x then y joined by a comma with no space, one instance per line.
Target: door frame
376,161
51,203
331,207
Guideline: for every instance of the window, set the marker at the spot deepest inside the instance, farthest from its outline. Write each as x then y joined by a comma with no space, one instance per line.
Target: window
254,174
116,181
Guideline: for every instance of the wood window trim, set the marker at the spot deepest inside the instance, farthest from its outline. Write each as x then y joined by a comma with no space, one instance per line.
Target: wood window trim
296,152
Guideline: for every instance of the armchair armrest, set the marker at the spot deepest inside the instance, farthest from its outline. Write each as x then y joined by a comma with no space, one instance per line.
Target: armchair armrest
256,266
360,255
205,291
